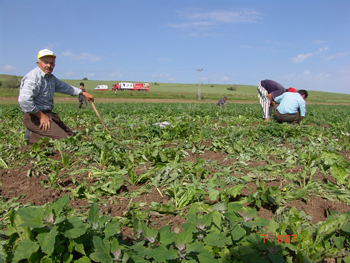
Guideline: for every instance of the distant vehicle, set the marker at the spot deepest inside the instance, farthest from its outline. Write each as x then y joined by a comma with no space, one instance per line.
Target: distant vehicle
102,87
131,86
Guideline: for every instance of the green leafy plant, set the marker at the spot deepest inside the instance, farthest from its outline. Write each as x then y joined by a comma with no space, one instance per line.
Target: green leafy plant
3,164
181,194
52,179
337,165
66,160
271,196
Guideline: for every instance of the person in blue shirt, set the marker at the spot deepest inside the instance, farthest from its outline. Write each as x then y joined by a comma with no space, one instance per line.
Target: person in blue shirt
291,108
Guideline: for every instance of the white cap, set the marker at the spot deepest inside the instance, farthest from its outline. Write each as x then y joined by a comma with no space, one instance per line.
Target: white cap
45,52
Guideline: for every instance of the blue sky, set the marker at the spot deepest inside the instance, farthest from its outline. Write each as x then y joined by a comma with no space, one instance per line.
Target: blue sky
302,44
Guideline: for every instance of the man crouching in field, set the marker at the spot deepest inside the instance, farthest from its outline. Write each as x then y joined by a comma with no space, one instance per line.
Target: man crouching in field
292,107
36,99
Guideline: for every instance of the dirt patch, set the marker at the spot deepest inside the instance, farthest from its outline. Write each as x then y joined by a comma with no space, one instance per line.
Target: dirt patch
34,190
319,208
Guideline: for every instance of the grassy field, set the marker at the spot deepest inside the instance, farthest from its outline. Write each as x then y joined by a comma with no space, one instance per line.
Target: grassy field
186,92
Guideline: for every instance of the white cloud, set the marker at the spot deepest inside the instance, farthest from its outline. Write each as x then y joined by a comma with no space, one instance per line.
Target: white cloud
82,56
8,68
308,77
338,55
271,42
310,81
322,49
90,75
69,74
344,72
222,16
204,20
224,79
202,33
320,41
301,57
202,25
157,75
306,72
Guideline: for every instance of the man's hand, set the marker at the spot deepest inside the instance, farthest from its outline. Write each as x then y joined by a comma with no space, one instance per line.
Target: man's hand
88,96
45,121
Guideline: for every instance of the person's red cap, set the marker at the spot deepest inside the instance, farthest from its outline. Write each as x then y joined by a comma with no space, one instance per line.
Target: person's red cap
292,90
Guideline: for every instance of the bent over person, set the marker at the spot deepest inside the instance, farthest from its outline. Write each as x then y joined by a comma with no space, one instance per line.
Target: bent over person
222,101
36,99
292,107
268,90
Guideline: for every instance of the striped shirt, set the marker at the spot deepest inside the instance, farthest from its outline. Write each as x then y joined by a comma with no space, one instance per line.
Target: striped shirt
37,90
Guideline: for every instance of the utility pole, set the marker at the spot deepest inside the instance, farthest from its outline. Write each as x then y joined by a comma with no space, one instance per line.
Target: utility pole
199,84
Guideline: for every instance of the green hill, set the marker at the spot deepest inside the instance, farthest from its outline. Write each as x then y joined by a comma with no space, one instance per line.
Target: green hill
234,92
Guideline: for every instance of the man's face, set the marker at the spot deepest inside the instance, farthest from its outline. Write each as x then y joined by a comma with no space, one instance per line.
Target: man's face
46,64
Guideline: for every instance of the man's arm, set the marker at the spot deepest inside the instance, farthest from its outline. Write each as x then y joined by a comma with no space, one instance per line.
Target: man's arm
65,88
302,111
271,100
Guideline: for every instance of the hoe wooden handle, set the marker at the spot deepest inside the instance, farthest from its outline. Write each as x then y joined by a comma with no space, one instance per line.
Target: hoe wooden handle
98,115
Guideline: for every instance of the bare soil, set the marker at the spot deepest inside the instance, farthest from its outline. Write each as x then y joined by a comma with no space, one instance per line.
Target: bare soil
31,190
